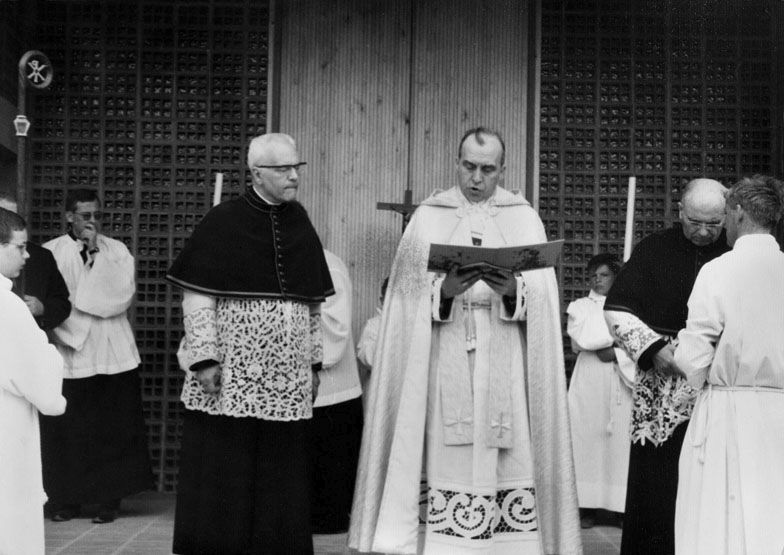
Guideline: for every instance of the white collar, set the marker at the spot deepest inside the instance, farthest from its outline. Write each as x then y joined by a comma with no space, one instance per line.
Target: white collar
752,240
596,297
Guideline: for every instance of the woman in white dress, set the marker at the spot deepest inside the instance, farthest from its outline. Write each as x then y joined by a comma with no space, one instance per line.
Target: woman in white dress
600,398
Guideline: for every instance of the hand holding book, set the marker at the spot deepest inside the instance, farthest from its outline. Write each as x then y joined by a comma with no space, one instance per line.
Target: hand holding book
458,280
501,281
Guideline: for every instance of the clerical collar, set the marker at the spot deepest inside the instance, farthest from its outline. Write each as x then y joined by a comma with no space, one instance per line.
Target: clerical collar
255,200
262,197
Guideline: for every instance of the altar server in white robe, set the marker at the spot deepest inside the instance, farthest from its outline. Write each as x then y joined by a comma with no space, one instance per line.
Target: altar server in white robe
731,488
337,411
366,346
463,389
31,378
96,453
600,398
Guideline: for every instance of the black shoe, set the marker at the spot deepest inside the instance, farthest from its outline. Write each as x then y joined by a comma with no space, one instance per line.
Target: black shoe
64,514
107,512
105,516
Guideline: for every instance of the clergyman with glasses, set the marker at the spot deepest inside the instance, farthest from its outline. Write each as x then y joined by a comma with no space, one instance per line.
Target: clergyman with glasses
253,276
645,309
96,453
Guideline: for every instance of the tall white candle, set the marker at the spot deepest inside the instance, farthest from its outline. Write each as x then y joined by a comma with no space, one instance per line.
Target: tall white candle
216,196
629,236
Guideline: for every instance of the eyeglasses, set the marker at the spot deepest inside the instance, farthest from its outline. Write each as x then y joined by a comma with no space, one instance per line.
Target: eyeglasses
97,216
283,168
706,225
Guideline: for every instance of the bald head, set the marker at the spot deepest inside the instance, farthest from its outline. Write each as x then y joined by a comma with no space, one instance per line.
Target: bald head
704,191
702,210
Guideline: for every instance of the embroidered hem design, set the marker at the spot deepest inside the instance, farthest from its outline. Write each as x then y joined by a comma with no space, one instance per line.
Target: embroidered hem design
481,517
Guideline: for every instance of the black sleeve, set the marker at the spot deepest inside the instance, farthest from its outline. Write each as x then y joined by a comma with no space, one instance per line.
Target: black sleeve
645,360
57,307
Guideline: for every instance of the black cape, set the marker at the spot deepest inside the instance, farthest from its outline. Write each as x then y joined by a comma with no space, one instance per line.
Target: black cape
656,282
247,248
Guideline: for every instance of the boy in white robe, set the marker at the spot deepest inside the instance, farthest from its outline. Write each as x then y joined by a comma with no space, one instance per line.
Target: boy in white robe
366,347
600,398
31,376
731,487
337,410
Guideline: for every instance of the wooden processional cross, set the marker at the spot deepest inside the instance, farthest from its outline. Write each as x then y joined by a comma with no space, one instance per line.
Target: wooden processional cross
406,208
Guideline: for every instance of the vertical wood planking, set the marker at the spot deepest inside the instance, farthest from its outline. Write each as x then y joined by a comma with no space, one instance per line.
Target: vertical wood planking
470,68
344,98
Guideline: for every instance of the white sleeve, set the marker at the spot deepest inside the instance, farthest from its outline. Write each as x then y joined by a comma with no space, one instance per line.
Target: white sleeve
586,326
366,347
200,341
336,319
109,286
697,342
31,367
633,335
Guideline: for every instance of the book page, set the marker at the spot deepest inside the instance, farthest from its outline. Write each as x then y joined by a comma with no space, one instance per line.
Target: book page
515,259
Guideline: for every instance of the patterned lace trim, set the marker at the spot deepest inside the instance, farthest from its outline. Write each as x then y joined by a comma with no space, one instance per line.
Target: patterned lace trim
633,335
265,351
479,517
661,403
201,335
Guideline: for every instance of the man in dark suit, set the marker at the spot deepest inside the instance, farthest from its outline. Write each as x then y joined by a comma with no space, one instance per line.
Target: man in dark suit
40,284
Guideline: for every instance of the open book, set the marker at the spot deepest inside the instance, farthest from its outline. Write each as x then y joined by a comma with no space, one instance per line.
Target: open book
512,259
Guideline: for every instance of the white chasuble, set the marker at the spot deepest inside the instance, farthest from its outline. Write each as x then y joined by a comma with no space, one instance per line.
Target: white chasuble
495,482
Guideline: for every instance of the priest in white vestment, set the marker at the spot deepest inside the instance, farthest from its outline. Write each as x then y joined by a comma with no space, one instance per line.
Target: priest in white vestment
466,442
731,488
31,378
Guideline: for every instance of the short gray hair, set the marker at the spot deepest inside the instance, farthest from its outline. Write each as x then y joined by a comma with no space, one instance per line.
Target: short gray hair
260,143
761,197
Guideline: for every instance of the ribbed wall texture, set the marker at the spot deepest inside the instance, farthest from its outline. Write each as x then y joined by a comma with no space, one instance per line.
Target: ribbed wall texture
344,97
347,96
470,68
